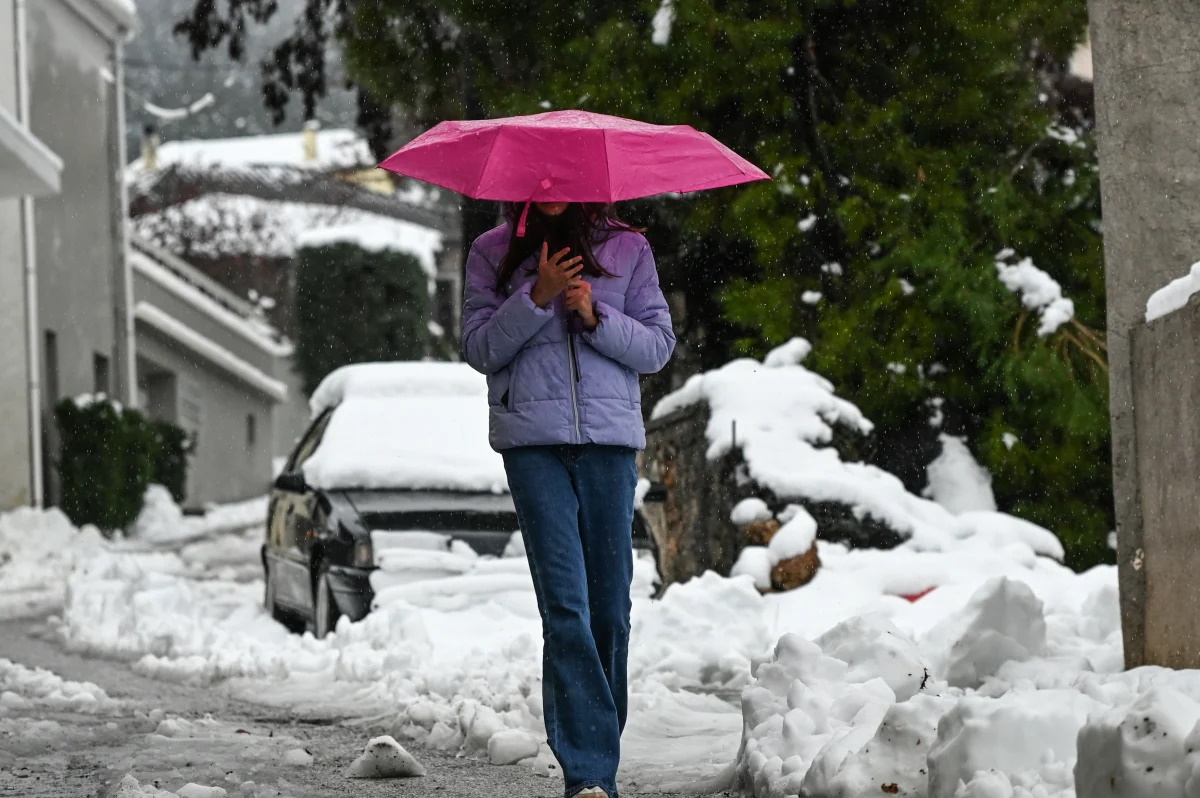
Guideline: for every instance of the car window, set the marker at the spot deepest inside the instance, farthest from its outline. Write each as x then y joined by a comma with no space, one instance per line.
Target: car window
310,442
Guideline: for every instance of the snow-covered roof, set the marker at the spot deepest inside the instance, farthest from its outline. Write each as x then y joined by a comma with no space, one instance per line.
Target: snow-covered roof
420,426
336,149
218,225
783,414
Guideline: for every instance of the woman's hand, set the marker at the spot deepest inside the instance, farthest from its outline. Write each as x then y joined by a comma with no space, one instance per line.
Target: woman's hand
554,274
579,299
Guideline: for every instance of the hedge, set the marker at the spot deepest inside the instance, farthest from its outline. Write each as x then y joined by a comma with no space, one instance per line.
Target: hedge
107,457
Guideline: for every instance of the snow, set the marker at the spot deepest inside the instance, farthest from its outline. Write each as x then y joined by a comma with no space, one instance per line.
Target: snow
754,562
811,297
794,538
176,114
957,481
1006,679
376,236
807,223
663,18
37,551
782,416
384,758
219,225
1174,295
336,149
1038,291
161,519
210,350
413,425
750,510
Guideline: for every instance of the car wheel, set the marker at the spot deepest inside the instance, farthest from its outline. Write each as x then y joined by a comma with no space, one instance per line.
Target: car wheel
272,607
325,608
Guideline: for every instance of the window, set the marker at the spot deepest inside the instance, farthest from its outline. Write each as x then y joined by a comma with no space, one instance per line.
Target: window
251,432
309,445
50,357
100,374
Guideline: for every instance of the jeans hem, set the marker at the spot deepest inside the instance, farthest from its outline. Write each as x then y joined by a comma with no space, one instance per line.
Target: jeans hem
579,787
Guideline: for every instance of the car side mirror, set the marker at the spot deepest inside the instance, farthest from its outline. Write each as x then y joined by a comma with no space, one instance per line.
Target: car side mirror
291,482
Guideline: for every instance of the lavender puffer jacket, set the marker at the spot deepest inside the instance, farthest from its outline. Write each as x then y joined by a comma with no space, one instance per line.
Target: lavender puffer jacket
545,388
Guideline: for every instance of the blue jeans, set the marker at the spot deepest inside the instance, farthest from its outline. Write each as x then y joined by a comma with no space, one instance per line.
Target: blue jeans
575,507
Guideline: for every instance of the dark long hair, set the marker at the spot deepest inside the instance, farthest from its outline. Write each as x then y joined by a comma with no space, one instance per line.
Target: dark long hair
581,227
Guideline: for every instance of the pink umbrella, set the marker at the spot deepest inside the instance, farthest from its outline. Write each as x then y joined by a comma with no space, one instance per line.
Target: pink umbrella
569,156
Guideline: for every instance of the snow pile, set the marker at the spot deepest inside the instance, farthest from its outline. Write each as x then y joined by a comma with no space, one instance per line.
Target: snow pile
405,425
384,758
37,550
1038,290
162,520
1174,295
782,416
957,481
224,225
868,707
25,689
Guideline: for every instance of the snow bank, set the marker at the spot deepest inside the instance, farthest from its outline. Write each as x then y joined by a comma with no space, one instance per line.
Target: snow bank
1038,291
25,689
863,708
38,548
414,425
781,416
1174,295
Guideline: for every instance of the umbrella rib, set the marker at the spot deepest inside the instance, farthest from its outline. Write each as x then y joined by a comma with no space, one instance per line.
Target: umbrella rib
487,160
607,163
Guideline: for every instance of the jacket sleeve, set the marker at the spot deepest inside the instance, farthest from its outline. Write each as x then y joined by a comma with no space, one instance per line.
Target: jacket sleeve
642,337
494,328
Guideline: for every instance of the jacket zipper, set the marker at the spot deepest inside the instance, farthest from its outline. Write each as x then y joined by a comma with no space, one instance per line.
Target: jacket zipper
574,377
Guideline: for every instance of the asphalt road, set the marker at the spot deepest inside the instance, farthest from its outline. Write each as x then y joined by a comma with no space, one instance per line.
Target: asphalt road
78,755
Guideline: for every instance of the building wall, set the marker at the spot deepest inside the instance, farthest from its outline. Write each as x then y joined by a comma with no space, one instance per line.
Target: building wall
15,488
213,405
1146,55
77,249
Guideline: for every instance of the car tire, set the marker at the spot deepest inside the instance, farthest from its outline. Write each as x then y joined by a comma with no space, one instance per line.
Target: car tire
272,607
325,608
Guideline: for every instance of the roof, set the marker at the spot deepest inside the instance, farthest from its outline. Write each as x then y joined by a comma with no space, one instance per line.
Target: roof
336,149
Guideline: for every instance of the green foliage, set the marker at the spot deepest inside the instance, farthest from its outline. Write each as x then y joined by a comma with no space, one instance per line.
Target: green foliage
911,139
354,306
108,456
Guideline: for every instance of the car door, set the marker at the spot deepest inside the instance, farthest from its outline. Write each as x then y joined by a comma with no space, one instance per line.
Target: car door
292,526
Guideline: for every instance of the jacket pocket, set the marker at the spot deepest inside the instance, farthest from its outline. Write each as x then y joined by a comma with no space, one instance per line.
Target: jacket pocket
509,397
634,388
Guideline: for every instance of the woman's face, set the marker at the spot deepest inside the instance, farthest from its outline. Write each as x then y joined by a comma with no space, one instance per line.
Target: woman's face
551,208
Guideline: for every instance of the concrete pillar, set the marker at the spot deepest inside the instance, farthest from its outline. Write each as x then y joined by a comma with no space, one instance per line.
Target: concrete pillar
1146,56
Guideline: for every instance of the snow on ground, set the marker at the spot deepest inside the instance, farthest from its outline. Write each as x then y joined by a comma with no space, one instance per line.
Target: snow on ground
1174,295
965,663
957,481
37,551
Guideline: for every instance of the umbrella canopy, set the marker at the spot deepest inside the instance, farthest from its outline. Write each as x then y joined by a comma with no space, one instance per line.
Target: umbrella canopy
569,156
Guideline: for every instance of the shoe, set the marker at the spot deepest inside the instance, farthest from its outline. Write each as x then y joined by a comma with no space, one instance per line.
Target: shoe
591,792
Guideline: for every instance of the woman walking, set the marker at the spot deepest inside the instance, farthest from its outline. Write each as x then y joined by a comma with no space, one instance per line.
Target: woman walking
562,320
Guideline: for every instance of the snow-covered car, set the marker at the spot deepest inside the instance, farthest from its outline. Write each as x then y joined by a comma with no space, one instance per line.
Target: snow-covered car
394,450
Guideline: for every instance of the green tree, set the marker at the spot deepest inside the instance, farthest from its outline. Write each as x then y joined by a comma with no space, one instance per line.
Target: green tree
910,141
355,306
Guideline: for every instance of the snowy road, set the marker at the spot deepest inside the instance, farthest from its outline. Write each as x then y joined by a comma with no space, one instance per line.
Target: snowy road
69,754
